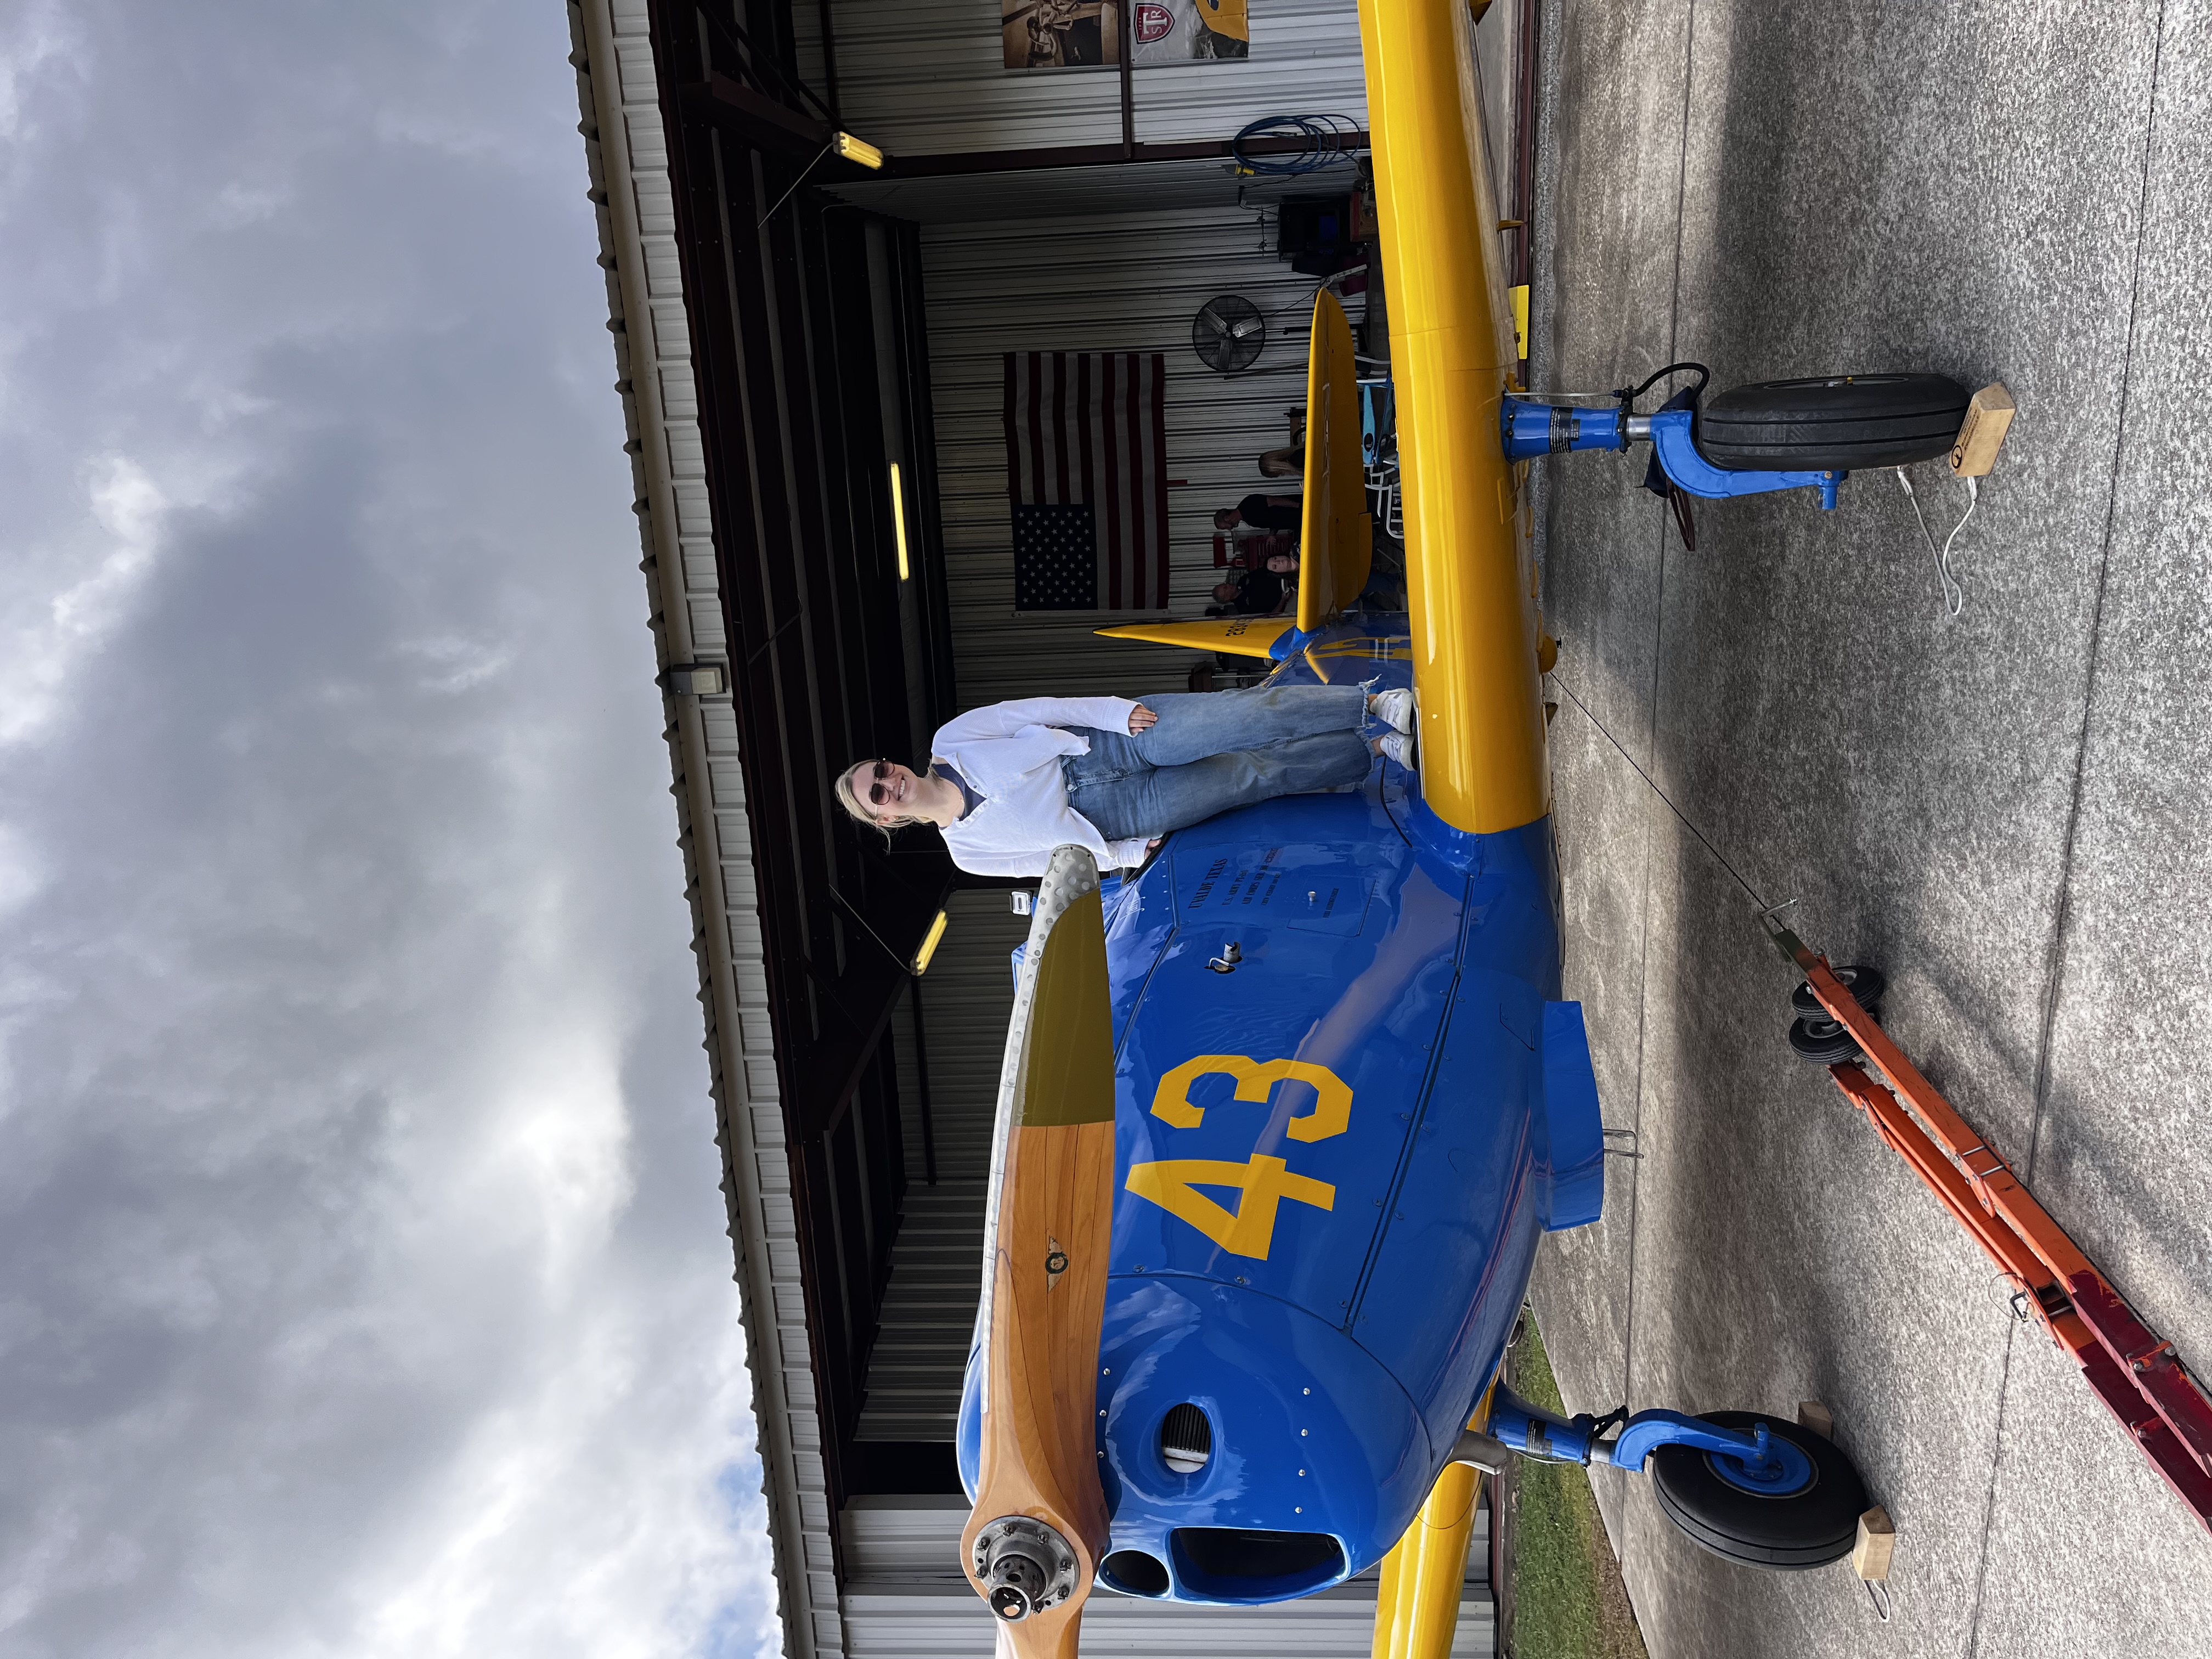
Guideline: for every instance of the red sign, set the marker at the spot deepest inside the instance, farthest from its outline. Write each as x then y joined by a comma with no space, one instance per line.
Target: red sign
1153,22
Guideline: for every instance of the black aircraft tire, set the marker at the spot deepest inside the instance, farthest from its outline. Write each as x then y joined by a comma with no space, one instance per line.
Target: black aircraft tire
1808,1528
1851,422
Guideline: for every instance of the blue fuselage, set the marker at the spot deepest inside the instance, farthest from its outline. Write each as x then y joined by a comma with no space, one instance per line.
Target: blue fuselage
1348,1100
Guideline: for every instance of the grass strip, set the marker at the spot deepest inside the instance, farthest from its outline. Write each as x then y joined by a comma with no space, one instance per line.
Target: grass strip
1569,1600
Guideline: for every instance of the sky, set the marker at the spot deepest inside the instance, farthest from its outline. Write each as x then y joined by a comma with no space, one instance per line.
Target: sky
364,1287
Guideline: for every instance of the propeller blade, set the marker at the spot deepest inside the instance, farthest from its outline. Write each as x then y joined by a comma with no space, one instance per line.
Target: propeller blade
1032,1545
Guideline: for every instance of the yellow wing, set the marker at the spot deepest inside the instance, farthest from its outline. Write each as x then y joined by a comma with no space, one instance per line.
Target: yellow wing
1470,580
1246,636
1337,542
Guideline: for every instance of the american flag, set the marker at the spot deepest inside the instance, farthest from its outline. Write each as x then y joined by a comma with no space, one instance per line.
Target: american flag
1087,468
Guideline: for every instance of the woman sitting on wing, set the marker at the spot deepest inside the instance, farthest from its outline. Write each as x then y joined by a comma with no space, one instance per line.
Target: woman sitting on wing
1009,782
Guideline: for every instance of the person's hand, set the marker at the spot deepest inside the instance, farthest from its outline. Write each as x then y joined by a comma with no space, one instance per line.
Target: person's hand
1153,845
1142,719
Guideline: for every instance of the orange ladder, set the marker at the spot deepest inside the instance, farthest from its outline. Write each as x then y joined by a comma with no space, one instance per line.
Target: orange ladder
2131,1368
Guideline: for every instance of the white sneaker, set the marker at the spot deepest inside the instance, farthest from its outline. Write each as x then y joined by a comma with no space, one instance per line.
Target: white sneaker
1398,746
1394,709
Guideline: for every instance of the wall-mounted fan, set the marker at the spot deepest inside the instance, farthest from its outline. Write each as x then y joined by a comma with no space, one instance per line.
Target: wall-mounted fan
1228,333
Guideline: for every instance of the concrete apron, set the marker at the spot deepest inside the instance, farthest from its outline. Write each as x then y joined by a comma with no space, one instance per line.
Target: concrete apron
2004,811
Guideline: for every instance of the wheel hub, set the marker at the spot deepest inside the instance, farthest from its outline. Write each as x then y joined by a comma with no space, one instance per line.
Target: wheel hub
1777,1467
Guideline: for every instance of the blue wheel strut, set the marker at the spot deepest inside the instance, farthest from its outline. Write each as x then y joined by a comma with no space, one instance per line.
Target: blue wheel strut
1529,428
1760,1462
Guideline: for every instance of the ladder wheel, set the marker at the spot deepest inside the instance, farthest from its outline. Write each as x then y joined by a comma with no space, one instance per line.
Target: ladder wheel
1867,984
1822,1042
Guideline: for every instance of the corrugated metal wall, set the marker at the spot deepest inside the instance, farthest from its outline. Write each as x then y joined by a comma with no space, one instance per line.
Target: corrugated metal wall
1305,60
966,998
929,1306
1124,281
927,77
905,1599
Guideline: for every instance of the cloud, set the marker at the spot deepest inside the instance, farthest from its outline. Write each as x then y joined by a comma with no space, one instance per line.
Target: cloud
366,1287
63,608
22,871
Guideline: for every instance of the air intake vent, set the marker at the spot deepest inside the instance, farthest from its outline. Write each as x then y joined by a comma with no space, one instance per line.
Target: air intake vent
1133,1572
1187,1439
1233,1564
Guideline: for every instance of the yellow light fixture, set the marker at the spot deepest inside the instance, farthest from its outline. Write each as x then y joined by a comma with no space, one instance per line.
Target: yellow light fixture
898,519
929,943
858,150
852,149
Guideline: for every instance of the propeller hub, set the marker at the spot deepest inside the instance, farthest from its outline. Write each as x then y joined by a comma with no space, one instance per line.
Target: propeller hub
1024,1567
1015,1596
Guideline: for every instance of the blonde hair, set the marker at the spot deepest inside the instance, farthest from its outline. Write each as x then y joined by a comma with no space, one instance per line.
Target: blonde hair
849,798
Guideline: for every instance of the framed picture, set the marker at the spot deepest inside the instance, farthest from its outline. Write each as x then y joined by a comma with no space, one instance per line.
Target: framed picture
1189,31
1050,34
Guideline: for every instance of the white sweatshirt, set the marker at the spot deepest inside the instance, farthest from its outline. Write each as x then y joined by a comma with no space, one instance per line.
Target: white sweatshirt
1010,753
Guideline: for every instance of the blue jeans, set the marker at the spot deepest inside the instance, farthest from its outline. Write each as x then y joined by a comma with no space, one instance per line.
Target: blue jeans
1211,751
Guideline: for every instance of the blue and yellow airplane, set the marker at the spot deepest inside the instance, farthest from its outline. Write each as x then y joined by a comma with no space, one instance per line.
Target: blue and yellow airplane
1282,1118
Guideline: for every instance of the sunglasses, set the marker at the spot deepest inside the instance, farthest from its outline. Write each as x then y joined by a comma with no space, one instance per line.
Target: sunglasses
879,792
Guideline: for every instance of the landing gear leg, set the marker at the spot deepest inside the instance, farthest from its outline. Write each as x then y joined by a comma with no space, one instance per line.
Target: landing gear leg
1756,1490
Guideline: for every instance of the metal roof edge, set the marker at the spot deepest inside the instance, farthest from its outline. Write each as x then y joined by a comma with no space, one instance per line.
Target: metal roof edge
626,148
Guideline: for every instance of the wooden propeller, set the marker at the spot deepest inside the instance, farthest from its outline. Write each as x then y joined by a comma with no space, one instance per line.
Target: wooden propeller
1031,1546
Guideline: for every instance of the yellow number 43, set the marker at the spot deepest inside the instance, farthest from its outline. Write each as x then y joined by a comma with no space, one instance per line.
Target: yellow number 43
1264,1183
